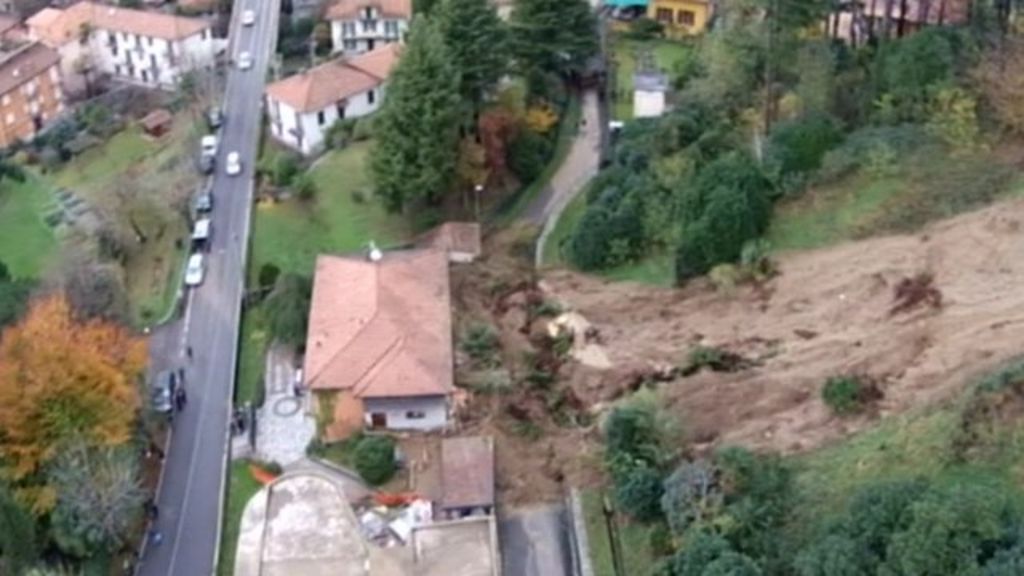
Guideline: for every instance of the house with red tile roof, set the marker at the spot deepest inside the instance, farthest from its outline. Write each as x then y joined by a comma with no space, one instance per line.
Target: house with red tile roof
303,107
379,344
363,25
149,48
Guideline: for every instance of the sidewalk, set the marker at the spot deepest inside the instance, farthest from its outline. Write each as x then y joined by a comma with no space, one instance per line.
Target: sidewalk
580,165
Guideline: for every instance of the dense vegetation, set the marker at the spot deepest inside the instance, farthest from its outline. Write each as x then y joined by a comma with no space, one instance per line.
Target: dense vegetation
758,122
447,126
737,512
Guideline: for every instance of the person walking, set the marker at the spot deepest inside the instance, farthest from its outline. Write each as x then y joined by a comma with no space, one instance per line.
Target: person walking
180,398
181,375
188,352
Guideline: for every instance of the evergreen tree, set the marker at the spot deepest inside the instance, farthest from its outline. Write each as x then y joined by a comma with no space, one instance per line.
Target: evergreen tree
17,534
478,44
553,36
416,146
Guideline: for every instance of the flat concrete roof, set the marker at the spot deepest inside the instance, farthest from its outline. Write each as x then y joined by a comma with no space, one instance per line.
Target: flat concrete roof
466,547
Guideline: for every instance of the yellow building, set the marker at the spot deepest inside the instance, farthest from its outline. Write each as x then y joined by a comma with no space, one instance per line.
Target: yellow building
680,17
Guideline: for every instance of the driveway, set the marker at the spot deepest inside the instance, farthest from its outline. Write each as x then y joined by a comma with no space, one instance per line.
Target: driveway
535,542
285,424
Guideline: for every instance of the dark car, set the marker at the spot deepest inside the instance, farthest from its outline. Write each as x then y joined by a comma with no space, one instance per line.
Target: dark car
162,394
204,202
215,118
207,164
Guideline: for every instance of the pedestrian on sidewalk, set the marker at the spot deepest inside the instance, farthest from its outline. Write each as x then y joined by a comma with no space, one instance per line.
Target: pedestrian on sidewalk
155,450
181,375
152,511
179,398
188,352
155,537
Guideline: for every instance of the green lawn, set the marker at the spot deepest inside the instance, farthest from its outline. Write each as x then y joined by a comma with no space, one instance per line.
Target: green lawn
637,556
831,215
159,171
27,244
291,234
667,55
251,355
241,487
657,269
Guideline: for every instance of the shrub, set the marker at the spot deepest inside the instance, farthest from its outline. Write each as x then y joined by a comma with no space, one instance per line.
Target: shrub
305,187
268,275
284,169
375,459
339,134
691,496
843,394
481,343
528,154
631,435
645,29
363,129
799,145
638,492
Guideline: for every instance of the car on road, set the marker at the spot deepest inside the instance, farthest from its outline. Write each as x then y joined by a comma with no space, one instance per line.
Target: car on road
204,201
208,145
248,18
195,270
201,233
233,167
244,60
161,397
214,118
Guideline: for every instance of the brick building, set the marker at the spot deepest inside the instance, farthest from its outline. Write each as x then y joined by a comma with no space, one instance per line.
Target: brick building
30,93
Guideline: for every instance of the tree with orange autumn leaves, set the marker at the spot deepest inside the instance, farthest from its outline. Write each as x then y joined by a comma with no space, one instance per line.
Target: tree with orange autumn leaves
61,379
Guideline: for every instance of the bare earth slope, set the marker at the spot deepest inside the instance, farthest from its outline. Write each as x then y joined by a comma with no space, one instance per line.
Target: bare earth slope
827,313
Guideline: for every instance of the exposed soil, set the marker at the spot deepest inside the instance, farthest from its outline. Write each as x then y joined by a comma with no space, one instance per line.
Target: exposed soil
921,315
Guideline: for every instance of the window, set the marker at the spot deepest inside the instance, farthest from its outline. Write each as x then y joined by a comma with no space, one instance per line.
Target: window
145,76
6,100
686,18
350,44
390,28
321,117
663,15
415,415
371,96
113,49
348,29
10,118
341,110
152,61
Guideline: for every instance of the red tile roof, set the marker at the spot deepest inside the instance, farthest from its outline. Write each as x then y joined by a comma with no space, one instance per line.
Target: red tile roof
345,9
381,329
467,472
331,82
57,26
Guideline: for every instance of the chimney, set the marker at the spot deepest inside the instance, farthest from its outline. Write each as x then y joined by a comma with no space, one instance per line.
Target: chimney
374,255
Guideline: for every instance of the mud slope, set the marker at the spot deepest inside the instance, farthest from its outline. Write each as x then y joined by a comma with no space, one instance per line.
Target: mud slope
827,313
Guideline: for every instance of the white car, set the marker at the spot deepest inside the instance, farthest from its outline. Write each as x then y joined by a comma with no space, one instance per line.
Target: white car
244,60
233,166
194,270
208,145
248,18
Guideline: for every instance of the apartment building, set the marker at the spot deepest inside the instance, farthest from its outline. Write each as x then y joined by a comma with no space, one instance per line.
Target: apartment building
359,26
149,48
30,91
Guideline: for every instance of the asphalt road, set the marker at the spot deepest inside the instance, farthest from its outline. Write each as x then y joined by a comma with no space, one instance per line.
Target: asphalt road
534,541
189,499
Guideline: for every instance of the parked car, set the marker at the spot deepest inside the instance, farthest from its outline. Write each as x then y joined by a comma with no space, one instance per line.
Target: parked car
162,392
244,60
208,145
204,201
201,233
207,164
233,167
195,270
248,18
215,118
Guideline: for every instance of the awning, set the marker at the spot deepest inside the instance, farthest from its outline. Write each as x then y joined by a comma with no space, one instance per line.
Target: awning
626,3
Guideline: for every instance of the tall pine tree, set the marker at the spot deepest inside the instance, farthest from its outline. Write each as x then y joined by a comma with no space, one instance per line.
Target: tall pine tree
478,43
553,36
417,128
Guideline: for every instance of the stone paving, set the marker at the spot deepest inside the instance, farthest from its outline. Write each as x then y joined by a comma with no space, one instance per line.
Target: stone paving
285,423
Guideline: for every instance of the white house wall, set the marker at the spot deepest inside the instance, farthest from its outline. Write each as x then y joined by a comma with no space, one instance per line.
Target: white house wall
398,411
284,121
143,59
